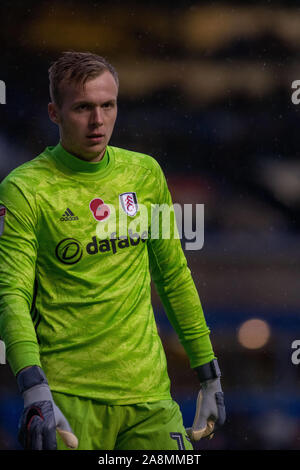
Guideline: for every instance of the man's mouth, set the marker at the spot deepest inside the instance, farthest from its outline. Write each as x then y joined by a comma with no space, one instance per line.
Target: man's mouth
95,137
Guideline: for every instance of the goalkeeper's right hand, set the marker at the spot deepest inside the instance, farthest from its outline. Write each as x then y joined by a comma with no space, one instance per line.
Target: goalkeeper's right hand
41,417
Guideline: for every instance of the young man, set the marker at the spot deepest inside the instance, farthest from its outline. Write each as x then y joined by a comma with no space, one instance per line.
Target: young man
75,307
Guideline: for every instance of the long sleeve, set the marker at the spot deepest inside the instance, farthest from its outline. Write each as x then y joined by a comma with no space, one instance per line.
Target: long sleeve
176,288
18,253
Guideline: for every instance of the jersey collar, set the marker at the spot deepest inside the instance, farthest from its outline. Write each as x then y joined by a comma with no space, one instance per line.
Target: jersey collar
78,165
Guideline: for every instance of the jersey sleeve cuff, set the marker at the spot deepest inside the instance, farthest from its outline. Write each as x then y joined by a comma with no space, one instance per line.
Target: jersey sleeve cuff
23,354
199,351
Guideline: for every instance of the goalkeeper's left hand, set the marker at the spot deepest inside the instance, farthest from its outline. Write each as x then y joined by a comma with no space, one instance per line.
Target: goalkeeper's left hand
210,409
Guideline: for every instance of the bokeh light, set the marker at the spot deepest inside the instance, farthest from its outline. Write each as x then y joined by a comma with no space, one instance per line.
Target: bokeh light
254,333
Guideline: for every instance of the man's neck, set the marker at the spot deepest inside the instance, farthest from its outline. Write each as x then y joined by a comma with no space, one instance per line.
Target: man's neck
96,159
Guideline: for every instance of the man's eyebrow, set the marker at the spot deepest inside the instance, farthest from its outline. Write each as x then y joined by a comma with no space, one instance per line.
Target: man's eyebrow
112,100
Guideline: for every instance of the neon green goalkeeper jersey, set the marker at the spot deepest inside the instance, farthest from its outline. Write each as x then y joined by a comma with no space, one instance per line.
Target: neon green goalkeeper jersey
78,303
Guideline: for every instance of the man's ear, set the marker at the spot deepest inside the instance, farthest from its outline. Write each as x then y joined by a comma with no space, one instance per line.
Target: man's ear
53,113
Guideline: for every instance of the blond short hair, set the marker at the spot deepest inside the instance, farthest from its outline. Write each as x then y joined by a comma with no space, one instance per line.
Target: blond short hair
77,67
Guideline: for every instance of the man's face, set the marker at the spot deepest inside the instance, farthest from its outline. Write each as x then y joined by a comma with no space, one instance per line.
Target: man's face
87,116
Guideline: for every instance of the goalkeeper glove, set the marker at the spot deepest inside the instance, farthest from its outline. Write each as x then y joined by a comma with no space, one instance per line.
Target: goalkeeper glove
210,409
41,417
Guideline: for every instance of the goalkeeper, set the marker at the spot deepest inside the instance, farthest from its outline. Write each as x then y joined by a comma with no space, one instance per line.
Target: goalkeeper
75,308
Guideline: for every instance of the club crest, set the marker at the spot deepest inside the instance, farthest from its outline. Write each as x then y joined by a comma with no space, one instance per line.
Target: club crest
129,203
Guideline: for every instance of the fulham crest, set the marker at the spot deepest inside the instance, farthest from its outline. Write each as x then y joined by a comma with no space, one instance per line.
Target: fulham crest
129,203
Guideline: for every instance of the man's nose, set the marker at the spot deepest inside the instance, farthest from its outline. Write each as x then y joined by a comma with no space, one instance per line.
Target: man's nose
97,117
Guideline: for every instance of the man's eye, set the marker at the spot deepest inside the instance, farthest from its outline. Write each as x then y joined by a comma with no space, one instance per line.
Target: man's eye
82,106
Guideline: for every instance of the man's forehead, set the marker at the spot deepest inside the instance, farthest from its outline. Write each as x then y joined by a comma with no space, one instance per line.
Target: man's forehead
102,87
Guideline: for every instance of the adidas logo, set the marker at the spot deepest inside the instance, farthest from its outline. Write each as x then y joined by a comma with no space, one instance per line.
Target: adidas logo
67,216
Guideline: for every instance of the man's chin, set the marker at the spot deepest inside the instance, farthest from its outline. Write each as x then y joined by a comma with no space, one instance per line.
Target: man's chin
92,153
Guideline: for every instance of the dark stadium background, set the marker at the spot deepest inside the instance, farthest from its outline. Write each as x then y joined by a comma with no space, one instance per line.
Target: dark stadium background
205,89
